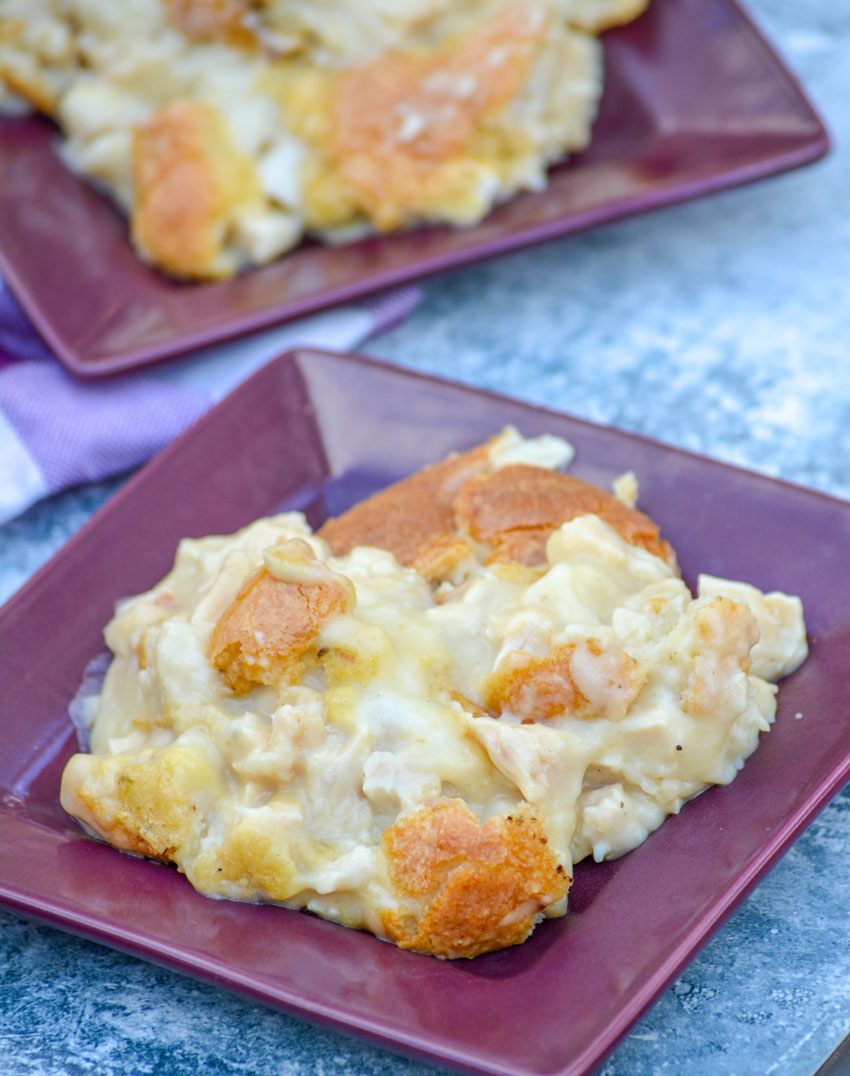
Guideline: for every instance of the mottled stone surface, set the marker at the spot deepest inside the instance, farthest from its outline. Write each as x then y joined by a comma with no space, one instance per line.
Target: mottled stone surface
722,326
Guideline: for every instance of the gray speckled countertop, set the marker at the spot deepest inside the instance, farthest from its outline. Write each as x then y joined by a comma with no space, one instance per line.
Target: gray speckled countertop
722,326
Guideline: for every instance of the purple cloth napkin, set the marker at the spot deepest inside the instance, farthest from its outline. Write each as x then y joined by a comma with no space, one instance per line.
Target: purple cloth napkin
56,431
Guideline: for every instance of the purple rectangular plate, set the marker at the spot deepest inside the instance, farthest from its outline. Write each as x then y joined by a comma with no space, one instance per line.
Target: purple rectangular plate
695,100
317,431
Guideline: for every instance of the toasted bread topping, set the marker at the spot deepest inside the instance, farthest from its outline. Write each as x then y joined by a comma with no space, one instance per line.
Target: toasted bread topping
190,182
480,886
261,638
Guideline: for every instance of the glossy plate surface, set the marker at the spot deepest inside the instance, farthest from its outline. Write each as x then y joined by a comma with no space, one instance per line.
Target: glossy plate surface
695,101
316,432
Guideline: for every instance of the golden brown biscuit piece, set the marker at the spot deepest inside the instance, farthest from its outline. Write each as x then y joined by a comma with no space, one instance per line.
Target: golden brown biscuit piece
442,557
576,679
403,124
516,508
151,804
262,637
426,521
190,181
481,886
411,517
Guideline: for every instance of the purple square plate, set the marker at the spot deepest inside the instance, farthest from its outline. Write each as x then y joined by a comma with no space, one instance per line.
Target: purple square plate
317,431
695,101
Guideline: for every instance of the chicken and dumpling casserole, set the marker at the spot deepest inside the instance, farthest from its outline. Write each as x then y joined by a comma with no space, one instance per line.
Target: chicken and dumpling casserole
416,720
230,129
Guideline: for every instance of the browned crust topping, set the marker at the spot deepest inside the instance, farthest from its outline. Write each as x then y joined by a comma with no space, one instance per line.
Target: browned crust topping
150,808
538,689
441,557
410,516
515,509
426,520
262,636
446,95
188,176
481,886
